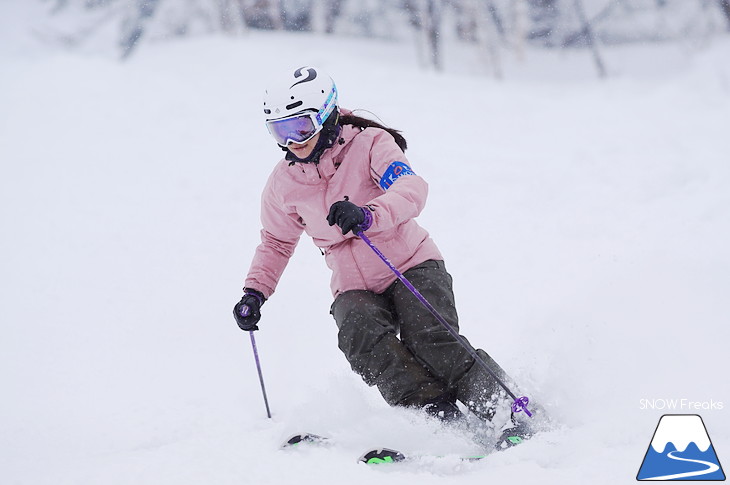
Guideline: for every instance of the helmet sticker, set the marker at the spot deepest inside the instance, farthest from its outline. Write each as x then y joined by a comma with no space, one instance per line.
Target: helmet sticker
394,172
328,106
311,75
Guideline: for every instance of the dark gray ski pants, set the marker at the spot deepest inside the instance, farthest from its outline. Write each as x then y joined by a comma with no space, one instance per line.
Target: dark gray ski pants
426,363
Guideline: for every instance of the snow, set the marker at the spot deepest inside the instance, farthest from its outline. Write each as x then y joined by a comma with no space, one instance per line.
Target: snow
585,222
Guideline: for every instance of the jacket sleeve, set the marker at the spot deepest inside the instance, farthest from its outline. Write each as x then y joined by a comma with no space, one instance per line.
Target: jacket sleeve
281,229
404,192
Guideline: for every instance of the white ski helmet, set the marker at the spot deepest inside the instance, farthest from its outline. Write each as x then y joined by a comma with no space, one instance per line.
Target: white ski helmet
298,107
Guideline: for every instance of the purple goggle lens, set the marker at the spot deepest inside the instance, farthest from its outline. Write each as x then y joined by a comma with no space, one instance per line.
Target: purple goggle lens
297,129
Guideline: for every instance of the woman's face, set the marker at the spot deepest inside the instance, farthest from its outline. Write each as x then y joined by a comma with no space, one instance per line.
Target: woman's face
303,150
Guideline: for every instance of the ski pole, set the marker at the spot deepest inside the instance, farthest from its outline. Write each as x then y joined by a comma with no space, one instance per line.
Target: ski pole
261,375
518,403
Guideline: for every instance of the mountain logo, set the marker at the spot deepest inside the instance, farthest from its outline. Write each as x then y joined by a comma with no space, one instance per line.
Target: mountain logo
680,450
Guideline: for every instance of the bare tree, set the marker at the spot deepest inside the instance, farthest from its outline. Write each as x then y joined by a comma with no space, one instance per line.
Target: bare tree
425,17
433,31
519,28
230,14
487,27
492,25
725,6
544,16
261,14
333,9
297,15
136,25
590,38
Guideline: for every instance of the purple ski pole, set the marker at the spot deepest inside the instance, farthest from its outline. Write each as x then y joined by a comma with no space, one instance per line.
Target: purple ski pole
518,403
261,376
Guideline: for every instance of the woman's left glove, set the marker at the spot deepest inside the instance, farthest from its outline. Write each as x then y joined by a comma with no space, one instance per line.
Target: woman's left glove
247,312
349,217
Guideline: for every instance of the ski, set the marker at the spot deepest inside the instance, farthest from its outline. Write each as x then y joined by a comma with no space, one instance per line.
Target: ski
377,456
509,438
306,438
386,455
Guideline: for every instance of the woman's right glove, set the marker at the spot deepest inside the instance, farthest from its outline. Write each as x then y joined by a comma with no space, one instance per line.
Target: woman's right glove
349,217
247,312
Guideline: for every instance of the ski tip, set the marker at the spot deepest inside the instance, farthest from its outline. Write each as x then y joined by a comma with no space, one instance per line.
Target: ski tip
472,458
298,438
381,456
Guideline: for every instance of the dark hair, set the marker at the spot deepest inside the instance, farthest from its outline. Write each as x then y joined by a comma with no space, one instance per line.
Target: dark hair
360,122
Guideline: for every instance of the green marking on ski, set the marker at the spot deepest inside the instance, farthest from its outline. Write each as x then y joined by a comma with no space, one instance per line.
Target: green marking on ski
376,461
390,459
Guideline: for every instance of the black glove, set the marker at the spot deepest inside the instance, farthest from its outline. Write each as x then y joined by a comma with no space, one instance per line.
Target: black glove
349,216
247,312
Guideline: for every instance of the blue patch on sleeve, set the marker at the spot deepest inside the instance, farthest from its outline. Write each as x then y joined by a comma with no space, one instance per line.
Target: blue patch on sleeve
395,170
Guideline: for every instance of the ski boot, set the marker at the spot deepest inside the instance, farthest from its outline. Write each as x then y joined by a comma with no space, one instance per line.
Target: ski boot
514,432
444,409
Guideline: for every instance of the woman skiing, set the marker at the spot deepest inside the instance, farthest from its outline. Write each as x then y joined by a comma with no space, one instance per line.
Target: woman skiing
343,174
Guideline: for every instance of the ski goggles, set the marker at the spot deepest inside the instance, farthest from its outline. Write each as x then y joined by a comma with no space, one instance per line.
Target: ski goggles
298,128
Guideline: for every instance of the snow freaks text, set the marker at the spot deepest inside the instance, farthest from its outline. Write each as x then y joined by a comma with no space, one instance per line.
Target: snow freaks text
680,405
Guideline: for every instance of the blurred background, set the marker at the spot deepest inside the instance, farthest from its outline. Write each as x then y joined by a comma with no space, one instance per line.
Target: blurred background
435,28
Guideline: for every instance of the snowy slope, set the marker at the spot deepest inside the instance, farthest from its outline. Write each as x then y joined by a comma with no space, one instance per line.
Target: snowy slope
586,225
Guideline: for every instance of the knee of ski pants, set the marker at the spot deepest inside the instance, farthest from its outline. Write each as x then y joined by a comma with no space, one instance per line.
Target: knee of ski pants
418,326
363,319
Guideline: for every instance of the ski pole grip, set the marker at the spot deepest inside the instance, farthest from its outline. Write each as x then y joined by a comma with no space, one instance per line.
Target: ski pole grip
245,311
520,404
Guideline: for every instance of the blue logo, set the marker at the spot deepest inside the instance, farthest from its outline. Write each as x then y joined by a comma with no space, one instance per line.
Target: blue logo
681,450
395,171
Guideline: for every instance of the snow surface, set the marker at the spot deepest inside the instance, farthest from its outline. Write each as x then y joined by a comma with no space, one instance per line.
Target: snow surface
586,224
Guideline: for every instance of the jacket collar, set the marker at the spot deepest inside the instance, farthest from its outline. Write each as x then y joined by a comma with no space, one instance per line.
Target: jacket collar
325,165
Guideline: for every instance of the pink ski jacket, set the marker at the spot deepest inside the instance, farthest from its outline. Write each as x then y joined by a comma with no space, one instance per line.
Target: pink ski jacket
368,167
